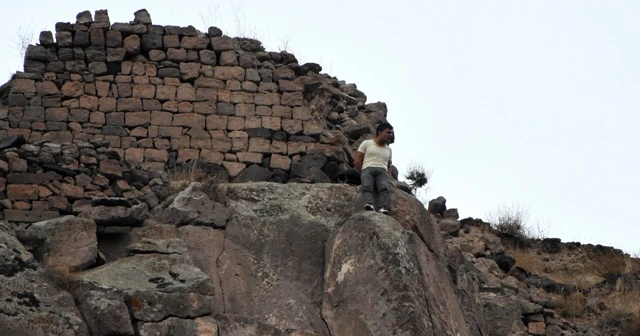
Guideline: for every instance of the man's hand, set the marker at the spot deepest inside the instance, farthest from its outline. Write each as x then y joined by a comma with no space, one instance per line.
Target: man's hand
358,161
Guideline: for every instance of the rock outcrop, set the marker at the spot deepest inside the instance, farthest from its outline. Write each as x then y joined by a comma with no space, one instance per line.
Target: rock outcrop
292,259
103,233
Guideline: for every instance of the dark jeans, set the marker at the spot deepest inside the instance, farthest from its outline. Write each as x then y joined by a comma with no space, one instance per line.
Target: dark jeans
378,178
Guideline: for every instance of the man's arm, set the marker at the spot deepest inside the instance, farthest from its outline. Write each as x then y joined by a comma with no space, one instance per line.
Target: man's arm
358,160
389,169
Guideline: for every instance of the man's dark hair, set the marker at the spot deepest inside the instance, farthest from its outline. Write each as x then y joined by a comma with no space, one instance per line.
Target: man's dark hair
382,127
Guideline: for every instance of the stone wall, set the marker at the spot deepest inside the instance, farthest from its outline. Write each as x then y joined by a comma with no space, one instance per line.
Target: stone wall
148,98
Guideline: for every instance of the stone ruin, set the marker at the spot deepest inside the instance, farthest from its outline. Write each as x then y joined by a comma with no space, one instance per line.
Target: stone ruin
106,109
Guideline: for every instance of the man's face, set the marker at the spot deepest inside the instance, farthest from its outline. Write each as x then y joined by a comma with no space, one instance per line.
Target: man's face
386,136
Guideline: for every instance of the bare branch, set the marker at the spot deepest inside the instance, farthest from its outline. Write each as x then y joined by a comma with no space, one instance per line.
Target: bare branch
24,37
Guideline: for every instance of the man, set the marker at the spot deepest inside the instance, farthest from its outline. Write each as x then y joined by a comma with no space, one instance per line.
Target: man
373,161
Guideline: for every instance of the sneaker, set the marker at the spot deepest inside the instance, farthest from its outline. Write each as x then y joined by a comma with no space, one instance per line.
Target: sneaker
383,211
369,207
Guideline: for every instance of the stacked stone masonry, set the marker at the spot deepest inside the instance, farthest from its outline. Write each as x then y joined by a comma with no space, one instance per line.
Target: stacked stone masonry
155,97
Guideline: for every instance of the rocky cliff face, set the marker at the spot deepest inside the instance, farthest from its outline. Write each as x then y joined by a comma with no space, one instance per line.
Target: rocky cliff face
103,232
273,259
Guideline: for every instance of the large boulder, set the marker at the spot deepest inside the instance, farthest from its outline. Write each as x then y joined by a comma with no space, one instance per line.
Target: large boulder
381,279
156,286
105,313
67,242
31,304
503,314
193,206
271,268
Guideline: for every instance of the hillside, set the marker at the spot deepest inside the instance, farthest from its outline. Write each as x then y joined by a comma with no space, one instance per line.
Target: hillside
159,180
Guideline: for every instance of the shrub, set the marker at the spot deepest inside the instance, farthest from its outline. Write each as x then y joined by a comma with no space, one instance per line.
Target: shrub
510,220
418,176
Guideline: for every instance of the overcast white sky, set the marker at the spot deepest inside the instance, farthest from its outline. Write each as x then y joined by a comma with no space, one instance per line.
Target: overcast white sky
534,102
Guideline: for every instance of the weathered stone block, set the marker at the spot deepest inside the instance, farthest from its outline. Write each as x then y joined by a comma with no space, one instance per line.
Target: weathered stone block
282,111
189,71
23,192
222,43
171,41
129,104
294,148
283,73
228,58
225,109
242,97
137,119
259,145
169,131
180,142
271,123
72,89
278,147
161,118
292,99
236,123
71,191
177,55
217,122
186,92
187,154
45,88
113,38
290,86
79,115
208,57
107,104
146,91
234,168
313,127
211,156
268,99
247,157
166,92
195,42
205,107
209,83
189,120
155,155
226,73
280,162
292,126
220,144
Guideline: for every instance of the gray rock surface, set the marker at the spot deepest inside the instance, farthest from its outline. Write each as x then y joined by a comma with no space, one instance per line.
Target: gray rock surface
201,326
193,206
116,215
105,313
68,242
380,279
30,304
156,286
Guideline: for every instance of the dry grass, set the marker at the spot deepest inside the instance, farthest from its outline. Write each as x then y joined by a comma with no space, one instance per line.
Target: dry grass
528,260
573,305
614,306
510,220
182,176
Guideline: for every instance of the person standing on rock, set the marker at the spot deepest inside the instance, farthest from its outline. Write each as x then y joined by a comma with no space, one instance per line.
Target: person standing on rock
373,161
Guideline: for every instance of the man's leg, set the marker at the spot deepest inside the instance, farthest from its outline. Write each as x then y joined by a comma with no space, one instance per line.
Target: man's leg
382,186
367,181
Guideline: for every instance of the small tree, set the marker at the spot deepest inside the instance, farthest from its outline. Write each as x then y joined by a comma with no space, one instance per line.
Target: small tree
418,177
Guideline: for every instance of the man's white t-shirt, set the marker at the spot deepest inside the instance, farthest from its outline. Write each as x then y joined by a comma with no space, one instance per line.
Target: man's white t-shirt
374,155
